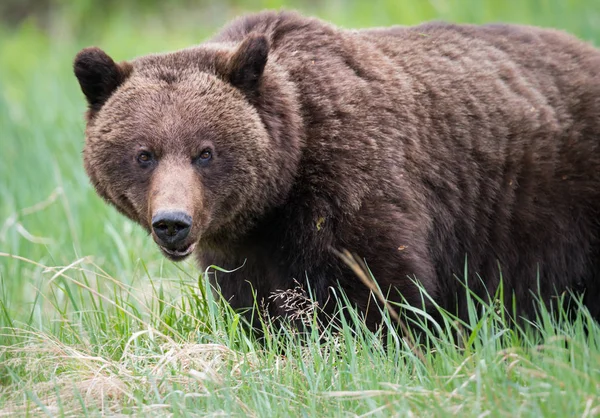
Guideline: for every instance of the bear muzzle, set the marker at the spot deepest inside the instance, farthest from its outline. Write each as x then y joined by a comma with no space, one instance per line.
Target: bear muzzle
171,229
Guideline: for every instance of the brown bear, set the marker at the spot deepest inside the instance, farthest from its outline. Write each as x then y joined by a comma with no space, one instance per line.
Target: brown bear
436,153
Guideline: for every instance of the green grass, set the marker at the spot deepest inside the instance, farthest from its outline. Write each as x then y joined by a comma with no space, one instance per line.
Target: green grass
94,321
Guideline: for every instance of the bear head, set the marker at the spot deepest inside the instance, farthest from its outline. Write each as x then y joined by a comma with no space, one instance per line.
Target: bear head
193,145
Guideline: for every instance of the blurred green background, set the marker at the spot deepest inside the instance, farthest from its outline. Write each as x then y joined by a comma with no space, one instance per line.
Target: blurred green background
49,214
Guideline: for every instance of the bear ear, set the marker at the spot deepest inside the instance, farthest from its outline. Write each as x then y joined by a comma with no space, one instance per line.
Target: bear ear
98,75
246,65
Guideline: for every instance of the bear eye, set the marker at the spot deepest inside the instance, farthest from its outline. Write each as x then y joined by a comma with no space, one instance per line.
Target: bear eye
204,157
145,158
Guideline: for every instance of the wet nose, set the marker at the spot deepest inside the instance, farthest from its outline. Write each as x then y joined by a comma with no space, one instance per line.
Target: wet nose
171,227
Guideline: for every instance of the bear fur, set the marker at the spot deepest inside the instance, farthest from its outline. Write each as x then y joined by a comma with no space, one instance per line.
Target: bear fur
438,152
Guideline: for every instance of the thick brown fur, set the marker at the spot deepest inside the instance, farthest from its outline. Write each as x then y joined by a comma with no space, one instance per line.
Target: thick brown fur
423,150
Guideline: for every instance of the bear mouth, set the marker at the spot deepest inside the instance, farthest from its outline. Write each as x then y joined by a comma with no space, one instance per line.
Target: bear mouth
178,254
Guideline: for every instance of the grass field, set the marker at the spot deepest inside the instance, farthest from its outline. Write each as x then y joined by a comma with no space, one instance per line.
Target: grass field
94,321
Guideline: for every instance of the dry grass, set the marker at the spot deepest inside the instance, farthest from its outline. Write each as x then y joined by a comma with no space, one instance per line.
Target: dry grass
70,379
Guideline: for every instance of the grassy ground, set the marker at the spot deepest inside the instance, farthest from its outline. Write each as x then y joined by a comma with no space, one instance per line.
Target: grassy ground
94,321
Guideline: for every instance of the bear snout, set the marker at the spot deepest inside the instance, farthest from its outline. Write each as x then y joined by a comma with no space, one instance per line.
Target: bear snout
171,228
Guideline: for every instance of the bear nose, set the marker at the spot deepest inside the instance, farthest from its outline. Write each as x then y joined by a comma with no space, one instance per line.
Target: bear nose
171,227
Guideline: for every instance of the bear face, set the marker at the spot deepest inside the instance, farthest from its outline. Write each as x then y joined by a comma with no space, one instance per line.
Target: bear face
175,143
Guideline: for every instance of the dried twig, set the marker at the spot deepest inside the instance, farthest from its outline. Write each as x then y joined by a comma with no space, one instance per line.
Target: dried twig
360,269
